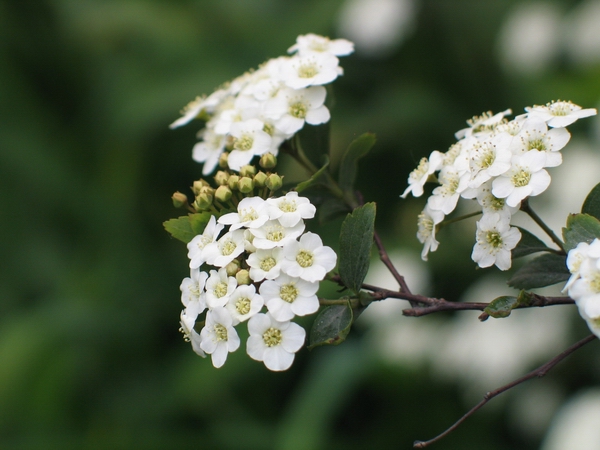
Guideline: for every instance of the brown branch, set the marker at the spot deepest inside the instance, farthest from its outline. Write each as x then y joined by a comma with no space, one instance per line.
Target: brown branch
539,372
385,259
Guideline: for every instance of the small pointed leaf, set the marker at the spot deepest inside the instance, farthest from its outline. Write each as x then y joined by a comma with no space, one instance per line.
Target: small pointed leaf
528,244
591,205
185,228
315,178
331,326
544,270
501,306
580,228
349,164
356,240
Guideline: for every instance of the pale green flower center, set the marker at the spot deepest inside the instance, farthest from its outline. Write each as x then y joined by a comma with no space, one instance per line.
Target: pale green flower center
242,306
298,110
425,224
536,144
269,129
421,170
288,293
272,337
275,234
561,108
228,247
244,143
220,332
194,289
521,178
221,290
307,70
487,159
268,263
202,242
248,215
494,239
595,283
497,203
287,207
304,258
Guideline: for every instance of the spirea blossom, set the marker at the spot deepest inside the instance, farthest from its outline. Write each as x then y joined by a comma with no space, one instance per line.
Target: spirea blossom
499,163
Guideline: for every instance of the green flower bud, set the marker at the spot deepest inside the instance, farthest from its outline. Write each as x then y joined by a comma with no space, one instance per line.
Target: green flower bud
243,277
223,161
268,161
223,194
179,200
232,268
203,202
247,171
274,182
198,185
207,190
232,182
246,185
221,177
259,179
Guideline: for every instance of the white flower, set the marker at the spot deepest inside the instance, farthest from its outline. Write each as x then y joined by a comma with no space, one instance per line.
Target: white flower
419,176
486,123
445,197
209,150
534,135
273,342
314,43
290,209
187,323
286,297
308,259
575,258
218,336
196,106
244,303
495,240
273,234
198,243
428,219
526,178
265,264
226,249
192,292
489,159
559,113
219,288
249,140
251,213
310,70
491,204
291,108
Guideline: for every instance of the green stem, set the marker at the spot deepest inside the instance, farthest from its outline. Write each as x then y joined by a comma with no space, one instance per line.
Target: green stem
341,301
456,219
526,208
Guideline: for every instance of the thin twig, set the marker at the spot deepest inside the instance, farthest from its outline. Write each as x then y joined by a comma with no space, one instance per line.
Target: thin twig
383,255
539,372
526,208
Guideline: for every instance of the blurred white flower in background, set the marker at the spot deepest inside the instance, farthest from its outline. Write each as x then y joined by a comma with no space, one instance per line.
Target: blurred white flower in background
581,37
377,27
529,39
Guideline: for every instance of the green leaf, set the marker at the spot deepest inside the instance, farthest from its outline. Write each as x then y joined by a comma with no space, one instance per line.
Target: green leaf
315,178
501,306
591,205
528,244
356,240
332,208
331,326
544,270
185,228
314,141
580,228
348,166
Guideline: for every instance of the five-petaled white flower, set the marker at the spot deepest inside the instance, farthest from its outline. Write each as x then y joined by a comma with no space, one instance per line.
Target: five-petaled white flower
495,240
218,336
308,258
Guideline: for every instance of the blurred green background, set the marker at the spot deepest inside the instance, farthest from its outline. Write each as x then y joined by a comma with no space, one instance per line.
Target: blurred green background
90,355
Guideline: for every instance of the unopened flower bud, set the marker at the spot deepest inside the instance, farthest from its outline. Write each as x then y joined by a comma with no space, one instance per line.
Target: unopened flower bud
246,185
179,200
268,161
247,171
232,182
207,190
223,161
221,178
203,202
232,268
198,185
223,194
243,277
273,182
259,179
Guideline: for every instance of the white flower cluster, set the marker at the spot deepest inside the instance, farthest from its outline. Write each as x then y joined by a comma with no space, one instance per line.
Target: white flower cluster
500,163
584,284
260,257
256,112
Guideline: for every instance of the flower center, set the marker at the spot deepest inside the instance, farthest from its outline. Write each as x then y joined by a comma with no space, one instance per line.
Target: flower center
497,203
244,143
536,144
307,70
595,283
202,242
561,108
221,290
275,234
194,289
425,225
287,207
248,215
228,247
494,239
298,110
268,263
521,178
304,258
220,332
272,337
288,293
421,170
242,306
269,129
